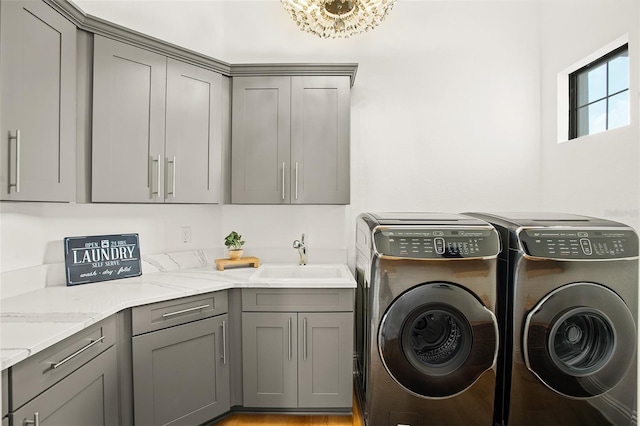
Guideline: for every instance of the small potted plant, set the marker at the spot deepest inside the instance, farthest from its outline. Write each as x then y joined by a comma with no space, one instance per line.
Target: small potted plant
234,243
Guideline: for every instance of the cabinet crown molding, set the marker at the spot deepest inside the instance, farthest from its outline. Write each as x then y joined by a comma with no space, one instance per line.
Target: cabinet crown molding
105,28
316,69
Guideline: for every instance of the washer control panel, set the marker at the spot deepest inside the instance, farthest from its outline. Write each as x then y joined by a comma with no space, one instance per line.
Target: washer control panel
564,243
436,243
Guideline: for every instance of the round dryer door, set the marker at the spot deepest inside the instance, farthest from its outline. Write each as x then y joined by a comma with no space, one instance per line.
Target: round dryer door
580,340
436,339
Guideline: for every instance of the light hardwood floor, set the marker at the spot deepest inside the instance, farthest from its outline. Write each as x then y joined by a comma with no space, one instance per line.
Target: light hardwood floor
292,419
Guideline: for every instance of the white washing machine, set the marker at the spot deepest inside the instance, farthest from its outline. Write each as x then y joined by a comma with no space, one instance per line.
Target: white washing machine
426,332
568,300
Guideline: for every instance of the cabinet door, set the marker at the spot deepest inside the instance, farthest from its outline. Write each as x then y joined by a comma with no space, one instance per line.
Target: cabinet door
194,134
35,374
38,90
5,392
260,158
269,359
325,358
181,374
87,397
320,135
128,123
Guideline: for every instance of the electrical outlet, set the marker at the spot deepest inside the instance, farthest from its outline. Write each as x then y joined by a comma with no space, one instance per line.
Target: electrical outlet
185,232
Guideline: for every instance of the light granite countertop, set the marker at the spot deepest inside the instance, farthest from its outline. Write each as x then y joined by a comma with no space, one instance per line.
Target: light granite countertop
33,321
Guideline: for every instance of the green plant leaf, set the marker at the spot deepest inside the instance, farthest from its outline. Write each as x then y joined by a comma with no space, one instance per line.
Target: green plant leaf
233,241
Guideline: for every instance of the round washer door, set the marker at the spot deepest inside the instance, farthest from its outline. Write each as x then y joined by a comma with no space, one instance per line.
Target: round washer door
580,340
436,339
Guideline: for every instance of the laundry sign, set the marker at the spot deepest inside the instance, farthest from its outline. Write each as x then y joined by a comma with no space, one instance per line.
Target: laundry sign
101,258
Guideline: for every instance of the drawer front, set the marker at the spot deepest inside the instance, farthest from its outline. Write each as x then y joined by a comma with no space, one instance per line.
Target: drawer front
44,369
179,311
297,300
88,396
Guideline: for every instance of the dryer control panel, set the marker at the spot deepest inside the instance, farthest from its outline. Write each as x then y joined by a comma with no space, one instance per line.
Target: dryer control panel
436,243
577,244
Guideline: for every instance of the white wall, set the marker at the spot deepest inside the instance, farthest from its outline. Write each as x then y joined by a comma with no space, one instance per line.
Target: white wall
445,107
196,25
595,175
446,116
32,234
599,174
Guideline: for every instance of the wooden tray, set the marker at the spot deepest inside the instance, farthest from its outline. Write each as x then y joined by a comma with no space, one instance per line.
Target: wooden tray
249,261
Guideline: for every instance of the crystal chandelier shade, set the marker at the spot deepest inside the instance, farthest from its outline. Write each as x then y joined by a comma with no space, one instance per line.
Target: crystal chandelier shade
337,18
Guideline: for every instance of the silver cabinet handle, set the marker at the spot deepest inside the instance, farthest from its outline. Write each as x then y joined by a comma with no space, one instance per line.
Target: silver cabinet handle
224,342
173,176
15,185
157,177
283,181
35,421
76,353
184,311
304,338
289,338
173,183
296,180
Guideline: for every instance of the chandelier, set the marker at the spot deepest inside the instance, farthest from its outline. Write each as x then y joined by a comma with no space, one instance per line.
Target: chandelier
337,18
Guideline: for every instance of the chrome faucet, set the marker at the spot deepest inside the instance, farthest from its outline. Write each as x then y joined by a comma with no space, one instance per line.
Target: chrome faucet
302,250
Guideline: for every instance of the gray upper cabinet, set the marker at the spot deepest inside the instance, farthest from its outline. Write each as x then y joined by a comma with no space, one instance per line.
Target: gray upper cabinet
128,123
157,128
194,134
38,91
260,140
320,135
290,140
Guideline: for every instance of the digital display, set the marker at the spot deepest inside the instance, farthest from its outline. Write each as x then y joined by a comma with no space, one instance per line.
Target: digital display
580,244
437,243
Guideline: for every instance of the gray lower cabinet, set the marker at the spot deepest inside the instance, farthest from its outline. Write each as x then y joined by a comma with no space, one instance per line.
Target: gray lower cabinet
290,140
297,358
87,397
325,363
270,359
181,372
157,127
5,397
38,103
74,382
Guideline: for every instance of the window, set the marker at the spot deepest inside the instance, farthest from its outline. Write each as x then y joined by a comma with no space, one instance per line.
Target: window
599,94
